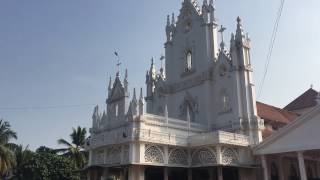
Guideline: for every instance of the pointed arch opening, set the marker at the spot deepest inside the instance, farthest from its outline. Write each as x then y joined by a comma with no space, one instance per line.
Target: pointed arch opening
189,62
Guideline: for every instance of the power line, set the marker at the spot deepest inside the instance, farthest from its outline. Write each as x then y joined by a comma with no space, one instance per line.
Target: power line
44,107
272,41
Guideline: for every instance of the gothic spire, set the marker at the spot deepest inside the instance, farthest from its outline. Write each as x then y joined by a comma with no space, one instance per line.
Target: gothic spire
173,21
168,29
152,71
125,81
212,11
110,86
141,102
205,11
141,95
239,32
134,97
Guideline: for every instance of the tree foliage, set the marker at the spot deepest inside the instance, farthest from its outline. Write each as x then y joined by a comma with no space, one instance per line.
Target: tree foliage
7,159
75,150
46,165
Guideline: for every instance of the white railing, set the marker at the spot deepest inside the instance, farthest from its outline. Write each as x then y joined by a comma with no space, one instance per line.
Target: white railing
174,123
218,137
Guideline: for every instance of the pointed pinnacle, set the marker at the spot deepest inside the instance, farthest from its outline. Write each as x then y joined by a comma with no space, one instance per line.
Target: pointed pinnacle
134,94
141,95
173,21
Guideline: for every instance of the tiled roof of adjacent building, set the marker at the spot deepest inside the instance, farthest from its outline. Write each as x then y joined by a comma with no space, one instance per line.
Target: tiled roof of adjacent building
306,100
271,113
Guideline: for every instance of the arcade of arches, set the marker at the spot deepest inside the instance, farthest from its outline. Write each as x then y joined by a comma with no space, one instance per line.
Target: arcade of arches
166,173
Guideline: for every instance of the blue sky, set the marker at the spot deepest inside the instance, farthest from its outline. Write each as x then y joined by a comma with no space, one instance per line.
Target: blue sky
61,53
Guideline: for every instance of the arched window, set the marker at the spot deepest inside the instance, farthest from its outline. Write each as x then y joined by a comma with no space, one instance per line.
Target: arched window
189,60
117,110
225,101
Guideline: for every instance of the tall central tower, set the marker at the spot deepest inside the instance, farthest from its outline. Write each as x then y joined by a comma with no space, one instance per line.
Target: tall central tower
203,81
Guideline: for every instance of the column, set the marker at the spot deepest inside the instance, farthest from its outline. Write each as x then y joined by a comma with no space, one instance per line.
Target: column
302,167
122,174
136,172
189,174
165,171
211,173
220,174
280,168
265,168
89,175
105,174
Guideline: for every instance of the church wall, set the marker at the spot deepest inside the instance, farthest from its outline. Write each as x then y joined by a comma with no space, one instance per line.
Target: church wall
184,41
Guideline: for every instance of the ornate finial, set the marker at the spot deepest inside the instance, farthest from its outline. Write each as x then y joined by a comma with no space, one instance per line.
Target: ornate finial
118,63
134,97
168,20
173,21
141,94
238,20
239,34
152,71
110,83
211,11
205,2
311,86
232,37
126,74
222,29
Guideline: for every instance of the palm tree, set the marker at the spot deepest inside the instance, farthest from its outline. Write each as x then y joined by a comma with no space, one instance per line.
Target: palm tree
22,158
75,149
7,159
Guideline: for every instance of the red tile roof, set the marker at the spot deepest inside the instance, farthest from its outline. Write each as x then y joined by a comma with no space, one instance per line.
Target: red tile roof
271,113
306,100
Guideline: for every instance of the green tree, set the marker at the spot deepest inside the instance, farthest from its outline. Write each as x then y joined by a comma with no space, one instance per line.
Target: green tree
75,150
22,158
46,165
7,160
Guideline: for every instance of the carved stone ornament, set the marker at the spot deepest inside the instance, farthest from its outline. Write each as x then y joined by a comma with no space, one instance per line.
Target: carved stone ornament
229,156
114,155
153,154
178,156
192,104
203,156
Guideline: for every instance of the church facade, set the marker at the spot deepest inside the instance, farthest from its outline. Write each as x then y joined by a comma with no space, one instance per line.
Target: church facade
198,119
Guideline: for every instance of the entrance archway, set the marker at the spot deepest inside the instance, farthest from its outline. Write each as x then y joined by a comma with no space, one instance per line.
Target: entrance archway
154,173
178,174
230,173
200,174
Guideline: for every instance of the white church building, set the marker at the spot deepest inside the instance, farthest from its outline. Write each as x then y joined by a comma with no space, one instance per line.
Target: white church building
199,118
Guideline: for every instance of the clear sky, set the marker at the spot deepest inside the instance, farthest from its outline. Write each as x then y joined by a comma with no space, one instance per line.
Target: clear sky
56,53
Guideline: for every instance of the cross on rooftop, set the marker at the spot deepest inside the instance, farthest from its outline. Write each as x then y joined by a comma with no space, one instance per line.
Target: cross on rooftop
221,30
118,62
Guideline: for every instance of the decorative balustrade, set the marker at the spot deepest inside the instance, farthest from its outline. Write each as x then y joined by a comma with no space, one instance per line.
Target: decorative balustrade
218,137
